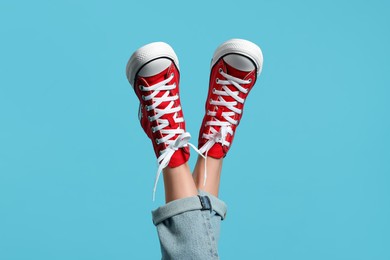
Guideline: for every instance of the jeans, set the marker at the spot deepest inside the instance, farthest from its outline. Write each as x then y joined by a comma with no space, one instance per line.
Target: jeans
189,228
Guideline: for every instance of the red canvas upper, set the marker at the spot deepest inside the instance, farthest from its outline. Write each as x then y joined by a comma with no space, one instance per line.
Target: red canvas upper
181,155
218,150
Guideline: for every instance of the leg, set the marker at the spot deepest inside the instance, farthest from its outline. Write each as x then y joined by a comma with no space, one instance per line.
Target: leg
214,168
188,225
178,183
210,187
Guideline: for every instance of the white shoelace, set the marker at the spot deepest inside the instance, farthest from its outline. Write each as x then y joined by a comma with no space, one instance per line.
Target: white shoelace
173,145
224,126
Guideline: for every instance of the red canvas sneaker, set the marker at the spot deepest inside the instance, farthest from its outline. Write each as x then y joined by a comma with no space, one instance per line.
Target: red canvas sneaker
235,66
153,71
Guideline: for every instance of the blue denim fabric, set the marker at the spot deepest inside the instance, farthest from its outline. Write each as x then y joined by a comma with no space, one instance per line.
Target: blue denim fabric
189,228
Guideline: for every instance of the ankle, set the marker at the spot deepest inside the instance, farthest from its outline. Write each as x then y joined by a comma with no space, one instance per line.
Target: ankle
178,183
214,169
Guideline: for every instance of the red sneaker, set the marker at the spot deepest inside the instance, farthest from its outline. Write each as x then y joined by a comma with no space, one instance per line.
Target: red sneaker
153,71
234,70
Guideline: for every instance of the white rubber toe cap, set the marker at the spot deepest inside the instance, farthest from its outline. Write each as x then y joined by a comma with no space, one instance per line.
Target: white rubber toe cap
146,54
242,47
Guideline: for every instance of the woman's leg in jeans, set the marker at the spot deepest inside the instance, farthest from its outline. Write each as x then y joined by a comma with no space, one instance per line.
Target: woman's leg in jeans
211,186
186,224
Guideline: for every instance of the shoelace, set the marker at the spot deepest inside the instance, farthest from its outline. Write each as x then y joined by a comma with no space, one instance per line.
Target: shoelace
224,126
173,145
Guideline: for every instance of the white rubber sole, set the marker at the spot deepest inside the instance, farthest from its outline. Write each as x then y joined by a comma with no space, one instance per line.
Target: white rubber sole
148,53
242,47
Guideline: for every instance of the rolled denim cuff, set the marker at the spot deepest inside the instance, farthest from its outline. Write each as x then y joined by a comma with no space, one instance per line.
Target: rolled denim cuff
204,201
218,205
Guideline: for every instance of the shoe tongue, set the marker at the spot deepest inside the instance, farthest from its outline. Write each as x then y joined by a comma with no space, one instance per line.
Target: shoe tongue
235,72
158,77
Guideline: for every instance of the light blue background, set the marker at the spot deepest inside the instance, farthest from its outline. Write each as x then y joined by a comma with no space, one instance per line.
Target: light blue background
308,173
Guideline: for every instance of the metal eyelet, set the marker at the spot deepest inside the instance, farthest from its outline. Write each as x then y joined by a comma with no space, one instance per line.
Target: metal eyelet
150,119
220,70
153,130
210,100
172,74
214,90
157,142
217,80
141,87
250,80
143,97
